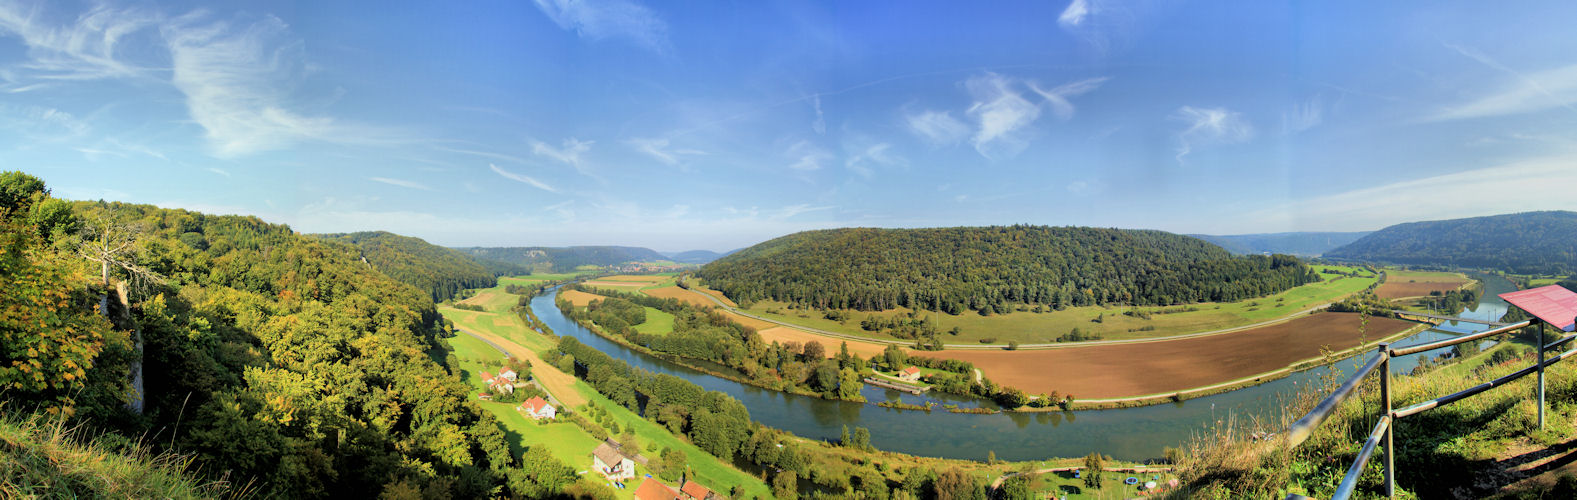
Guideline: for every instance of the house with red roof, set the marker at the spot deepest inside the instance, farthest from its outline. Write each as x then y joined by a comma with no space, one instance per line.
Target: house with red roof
910,374
538,408
694,491
652,489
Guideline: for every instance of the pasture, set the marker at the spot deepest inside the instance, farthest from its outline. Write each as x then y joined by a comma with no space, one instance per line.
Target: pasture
1404,284
1165,366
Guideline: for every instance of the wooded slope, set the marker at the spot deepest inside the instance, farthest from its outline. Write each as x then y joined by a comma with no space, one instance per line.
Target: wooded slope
989,269
1524,243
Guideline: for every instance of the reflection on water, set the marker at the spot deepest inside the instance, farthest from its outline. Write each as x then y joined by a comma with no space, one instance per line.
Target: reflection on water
1126,434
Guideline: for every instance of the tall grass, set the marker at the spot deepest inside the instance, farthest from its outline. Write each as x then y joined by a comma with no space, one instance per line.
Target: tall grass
42,457
1468,449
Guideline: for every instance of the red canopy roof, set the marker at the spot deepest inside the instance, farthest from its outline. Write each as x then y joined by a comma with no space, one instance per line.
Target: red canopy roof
1554,304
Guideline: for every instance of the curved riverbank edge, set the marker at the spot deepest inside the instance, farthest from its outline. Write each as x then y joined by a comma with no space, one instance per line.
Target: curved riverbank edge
1228,386
1020,347
1083,404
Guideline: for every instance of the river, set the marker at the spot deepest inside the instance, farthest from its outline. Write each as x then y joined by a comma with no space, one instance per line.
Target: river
1126,434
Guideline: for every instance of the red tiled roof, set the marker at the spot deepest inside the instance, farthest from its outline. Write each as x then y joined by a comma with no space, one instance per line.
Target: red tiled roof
911,370
534,404
695,490
651,489
1554,304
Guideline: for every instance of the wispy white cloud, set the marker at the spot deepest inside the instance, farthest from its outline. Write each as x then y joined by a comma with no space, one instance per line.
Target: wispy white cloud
219,171
937,127
1074,15
41,123
1303,116
485,154
820,125
522,178
1209,126
660,150
1001,110
864,160
806,156
1058,96
609,19
85,49
1524,93
568,154
401,183
237,80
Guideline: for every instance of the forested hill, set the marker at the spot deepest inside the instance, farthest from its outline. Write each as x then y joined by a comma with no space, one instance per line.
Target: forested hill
990,269
565,259
443,272
276,361
1305,244
1525,243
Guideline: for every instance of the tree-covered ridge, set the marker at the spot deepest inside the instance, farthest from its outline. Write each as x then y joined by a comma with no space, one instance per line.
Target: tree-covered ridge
564,259
443,272
1524,243
989,269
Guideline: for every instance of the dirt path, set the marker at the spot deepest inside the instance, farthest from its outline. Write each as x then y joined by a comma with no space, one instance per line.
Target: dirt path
557,383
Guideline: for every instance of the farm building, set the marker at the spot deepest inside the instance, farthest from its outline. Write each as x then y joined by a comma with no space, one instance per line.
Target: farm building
651,489
911,374
612,464
509,375
694,491
538,408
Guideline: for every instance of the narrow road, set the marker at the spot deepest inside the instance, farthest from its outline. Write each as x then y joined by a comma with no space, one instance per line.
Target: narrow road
551,398
1021,347
553,381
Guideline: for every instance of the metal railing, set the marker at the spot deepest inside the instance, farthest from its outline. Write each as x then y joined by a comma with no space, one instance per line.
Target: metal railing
1385,428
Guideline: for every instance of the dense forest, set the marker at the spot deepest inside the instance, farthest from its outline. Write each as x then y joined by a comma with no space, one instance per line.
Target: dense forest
564,259
1525,243
278,362
1303,244
990,269
443,272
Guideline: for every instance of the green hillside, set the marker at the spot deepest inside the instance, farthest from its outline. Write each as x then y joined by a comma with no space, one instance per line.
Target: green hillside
443,272
273,360
1525,243
989,269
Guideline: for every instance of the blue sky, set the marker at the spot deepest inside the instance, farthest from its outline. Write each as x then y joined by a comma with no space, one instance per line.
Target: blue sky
681,125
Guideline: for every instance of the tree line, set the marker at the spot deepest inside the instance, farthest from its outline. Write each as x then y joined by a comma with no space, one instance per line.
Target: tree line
443,272
989,270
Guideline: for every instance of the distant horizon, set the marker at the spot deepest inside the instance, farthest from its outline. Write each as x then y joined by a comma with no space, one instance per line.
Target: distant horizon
700,125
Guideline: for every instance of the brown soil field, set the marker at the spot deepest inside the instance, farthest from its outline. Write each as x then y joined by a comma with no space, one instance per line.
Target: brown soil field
1394,290
1136,369
758,324
579,298
631,277
674,292
783,334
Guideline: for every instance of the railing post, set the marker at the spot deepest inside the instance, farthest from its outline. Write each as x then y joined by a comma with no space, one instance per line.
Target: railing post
1541,374
1385,395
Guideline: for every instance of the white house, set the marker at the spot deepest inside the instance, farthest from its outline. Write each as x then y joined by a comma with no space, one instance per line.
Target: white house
538,408
612,464
508,374
911,374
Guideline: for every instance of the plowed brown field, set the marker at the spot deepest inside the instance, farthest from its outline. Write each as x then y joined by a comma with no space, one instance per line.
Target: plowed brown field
1136,369
1393,290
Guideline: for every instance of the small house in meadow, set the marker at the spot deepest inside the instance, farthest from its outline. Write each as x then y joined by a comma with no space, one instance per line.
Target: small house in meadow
538,408
509,375
911,374
694,491
612,464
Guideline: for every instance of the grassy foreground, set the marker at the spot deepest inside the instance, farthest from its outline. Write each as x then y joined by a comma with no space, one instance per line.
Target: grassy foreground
1484,446
45,459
